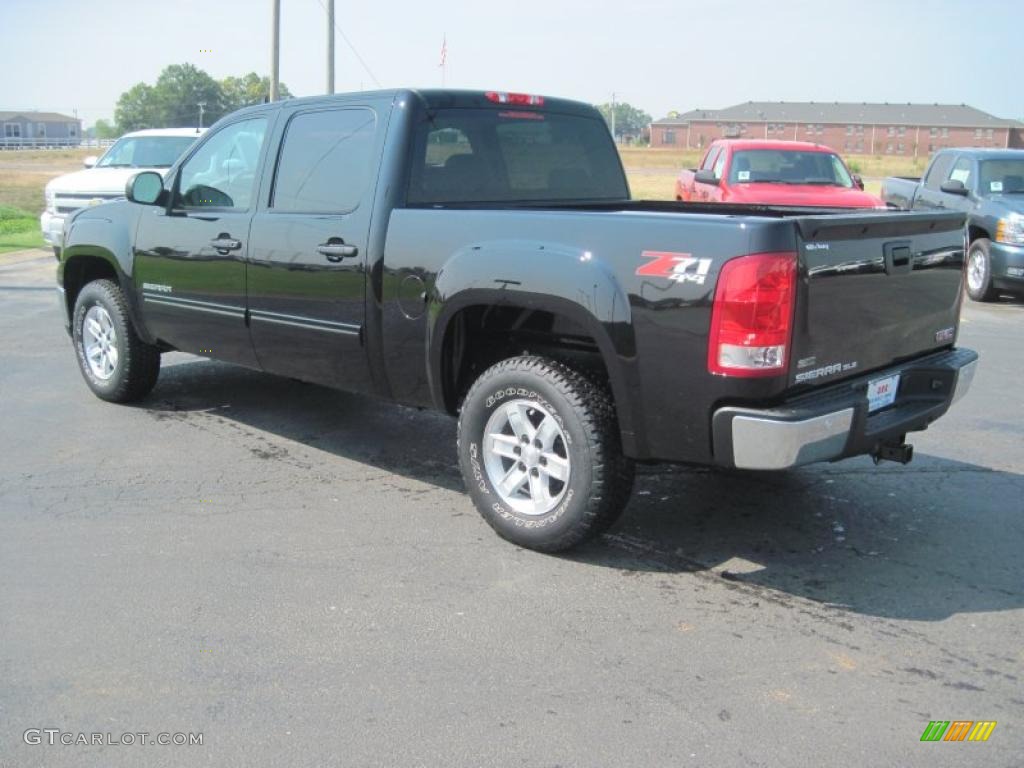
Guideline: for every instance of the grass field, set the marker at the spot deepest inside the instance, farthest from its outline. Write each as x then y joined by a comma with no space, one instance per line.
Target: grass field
18,230
652,173
23,174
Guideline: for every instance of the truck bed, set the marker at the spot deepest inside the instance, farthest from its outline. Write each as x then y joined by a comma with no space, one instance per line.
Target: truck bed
873,289
898,191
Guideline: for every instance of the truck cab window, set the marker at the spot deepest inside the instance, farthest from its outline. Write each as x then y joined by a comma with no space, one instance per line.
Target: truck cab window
514,156
325,163
145,152
222,172
719,165
961,172
709,160
939,172
445,143
1004,176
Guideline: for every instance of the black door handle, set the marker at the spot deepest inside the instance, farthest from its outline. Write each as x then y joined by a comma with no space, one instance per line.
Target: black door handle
335,250
225,242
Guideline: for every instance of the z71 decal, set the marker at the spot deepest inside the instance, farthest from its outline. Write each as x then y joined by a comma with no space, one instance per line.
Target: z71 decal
680,267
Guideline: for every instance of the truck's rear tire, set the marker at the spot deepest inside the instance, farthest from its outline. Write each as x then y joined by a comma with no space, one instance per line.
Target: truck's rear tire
116,364
979,271
540,453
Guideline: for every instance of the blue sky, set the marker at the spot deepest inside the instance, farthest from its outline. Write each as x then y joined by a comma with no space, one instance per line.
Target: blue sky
656,54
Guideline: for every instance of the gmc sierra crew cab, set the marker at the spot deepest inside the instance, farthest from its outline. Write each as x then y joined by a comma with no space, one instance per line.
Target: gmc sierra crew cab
479,253
987,185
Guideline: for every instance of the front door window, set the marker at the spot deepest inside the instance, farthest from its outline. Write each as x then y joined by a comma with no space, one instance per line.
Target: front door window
222,173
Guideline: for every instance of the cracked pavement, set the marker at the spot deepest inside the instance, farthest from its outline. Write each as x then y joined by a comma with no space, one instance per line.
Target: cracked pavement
297,574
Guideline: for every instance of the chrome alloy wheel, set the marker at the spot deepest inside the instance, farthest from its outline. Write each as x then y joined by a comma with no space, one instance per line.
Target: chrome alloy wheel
526,457
976,269
99,342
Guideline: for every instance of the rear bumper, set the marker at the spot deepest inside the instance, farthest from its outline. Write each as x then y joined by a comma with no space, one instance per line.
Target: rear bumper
834,423
1007,262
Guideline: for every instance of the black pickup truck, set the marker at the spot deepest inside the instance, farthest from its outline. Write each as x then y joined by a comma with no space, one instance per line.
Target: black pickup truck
479,253
987,185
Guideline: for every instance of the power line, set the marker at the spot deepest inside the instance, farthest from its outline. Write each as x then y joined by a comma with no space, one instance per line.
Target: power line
353,48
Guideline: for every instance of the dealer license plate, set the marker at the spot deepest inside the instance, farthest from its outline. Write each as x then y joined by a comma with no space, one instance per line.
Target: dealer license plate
882,392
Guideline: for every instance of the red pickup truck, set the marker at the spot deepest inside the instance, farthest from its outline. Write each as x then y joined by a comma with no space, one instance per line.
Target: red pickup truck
773,173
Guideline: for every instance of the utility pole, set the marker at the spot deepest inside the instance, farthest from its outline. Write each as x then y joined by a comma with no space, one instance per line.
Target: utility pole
275,49
330,46
202,109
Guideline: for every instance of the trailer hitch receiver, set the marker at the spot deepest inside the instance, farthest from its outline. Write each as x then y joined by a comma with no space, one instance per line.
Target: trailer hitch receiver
899,452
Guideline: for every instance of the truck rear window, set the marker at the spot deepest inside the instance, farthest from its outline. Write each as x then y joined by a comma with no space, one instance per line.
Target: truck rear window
521,156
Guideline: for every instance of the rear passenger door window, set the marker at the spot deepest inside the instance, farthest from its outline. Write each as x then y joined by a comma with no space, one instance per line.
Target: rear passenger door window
325,162
309,243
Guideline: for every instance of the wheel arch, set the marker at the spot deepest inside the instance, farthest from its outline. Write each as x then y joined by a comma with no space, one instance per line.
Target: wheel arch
81,264
977,232
567,286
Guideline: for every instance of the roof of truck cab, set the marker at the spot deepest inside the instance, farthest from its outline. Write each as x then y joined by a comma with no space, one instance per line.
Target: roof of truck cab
194,132
436,98
985,152
803,146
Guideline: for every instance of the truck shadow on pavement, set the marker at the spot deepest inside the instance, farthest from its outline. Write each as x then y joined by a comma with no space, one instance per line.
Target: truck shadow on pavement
922,542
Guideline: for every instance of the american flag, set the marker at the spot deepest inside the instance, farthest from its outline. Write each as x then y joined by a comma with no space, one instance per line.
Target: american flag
444,51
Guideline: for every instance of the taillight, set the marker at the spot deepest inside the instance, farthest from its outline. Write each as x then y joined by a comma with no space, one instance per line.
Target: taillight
752,318
520,99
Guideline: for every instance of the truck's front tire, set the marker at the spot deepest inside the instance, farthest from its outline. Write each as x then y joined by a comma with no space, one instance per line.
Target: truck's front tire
116,364
540,454
979,271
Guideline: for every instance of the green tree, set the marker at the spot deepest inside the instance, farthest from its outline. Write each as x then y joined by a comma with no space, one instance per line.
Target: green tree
173,102
247,90
179,91
629,121
137,108
104,130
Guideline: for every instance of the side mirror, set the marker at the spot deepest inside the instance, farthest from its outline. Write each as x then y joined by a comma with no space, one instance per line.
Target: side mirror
954,187
145,188
706,176
90,161
858,182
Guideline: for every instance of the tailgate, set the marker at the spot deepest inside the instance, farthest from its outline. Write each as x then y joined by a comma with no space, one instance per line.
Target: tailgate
875,289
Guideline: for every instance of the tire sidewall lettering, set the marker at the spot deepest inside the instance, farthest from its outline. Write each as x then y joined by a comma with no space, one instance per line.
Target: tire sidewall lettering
78,330
478,473
496,398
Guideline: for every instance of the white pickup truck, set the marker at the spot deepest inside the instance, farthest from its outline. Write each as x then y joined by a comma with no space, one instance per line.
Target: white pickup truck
103,179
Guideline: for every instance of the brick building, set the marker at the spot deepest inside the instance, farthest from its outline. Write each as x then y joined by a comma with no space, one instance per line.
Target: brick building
877,129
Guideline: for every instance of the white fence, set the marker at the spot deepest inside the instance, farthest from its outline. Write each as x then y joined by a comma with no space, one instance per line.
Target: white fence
15,142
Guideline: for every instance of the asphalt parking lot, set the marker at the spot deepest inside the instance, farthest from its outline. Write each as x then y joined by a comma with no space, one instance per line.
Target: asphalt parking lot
297,574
